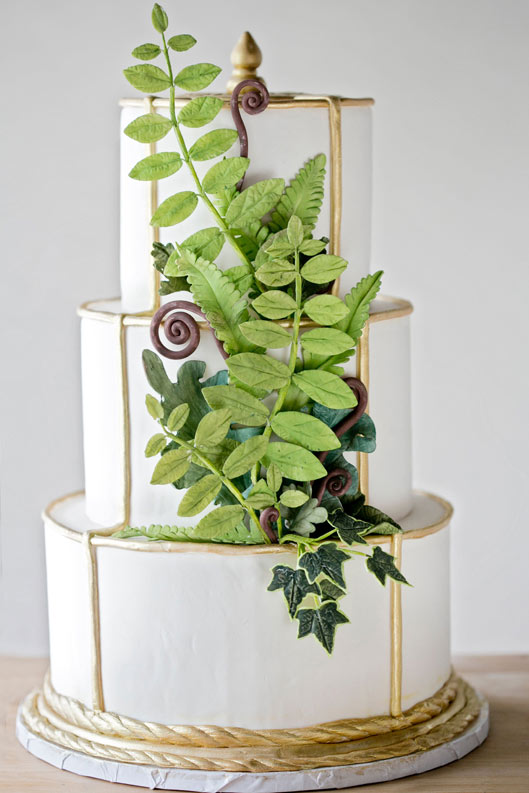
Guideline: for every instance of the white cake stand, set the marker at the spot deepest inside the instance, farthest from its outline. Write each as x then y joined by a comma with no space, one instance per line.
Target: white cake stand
149,776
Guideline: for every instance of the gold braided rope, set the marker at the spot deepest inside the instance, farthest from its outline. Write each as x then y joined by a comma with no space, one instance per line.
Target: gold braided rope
454,710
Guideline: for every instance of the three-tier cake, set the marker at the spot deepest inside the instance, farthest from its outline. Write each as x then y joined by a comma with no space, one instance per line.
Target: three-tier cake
268,361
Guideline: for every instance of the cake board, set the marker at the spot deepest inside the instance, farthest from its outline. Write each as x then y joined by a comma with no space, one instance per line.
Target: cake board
325,778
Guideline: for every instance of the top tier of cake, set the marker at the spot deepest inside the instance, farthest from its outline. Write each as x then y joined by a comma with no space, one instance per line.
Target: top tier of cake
281,139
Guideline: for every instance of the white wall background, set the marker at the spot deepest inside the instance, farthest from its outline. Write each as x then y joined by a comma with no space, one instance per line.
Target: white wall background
451,184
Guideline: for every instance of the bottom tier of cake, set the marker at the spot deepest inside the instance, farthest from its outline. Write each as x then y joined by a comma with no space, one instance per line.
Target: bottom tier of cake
187,635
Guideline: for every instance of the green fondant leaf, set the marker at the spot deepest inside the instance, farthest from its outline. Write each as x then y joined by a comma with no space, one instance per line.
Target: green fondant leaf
153,406
199,495
274,478
294,461
330,591
157,166
239,535
182,42
225,173
312,247
197,76
274,304
304,429
295,231
245,456
244,408
382,565
266,334
305,519
328,560
148,128
276,272
206,243
213,144
254,202
199,111
295,586
303,196
322,623
323,268
178,417
175,209
379,522
326,388
171,467
159,18
325,309
260,496
220,520
350,529
147,78
293,498
213,428
358,301
146,52
326,341
155,444
259,371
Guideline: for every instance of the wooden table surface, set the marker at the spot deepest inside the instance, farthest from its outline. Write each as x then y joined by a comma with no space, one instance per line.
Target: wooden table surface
500,765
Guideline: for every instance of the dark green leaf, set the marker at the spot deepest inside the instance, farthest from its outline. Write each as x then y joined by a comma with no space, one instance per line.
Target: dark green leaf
199,495
213,428
171,467
146,52
322,623
157,166
326,310
213,144
244,408
326,388
225,173
199,111
330,591
306,430
382,565
276,272
259,371
182,42
295,586
303,196
159,18
380,523
147,78
148,128
274,304
206,243
197,76
187,389
266,334
220,520
350,530
328,560
254,202
245,456
294,461
175,209
323,268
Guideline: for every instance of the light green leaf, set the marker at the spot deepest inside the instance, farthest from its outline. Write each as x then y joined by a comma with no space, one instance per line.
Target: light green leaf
213,428
147,78
307,517
199,495
240,277
303,196
323,268
225,173
312,247
326,388
213,144
148,128
260,496
358,301
157,166
159,18
153,406
293,498
277,272
217,454
278,246
199,111
244,408
237,535
266,334
175,209
274,478
218,298
259,371
146,52
155,444
171,466
245,456
274,304
197,76
306,430
219,521
178,417
182,42
326,309
326,341
254,202
295,231
294,462
206,243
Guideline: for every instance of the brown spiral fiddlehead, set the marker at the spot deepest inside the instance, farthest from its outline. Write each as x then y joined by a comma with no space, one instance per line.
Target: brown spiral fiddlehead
252,102
267,517
179,328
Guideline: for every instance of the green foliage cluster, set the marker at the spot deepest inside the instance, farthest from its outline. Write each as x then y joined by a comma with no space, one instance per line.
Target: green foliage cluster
248,438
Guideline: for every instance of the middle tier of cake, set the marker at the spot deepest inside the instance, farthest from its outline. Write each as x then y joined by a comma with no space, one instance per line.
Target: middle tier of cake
117,426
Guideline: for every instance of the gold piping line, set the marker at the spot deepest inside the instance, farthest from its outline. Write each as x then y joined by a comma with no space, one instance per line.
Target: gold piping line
101,537
126,421
98,702
154,231
277,101
396,631
335,139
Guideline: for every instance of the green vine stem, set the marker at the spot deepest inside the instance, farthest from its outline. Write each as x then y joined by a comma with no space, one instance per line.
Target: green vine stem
225,481
185,156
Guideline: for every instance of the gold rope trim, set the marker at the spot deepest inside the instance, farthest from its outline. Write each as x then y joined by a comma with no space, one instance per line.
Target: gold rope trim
109,736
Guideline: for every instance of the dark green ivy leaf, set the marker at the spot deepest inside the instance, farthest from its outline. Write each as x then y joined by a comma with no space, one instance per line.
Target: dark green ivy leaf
380,522
382,564
295,586
328,559
330,591
322,623
349,529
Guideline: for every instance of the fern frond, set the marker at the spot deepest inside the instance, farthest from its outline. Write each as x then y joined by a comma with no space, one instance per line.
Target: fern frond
303,196
239,535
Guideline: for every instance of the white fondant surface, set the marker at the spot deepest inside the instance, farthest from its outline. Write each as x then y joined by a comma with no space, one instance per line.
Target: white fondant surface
193,637
276,131
285,781
390,479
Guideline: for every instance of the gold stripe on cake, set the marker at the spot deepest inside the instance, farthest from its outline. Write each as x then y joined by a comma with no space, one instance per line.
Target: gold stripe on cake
98,702
396,631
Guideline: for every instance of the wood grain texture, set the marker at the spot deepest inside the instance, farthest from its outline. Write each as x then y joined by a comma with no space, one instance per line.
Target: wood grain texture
501,765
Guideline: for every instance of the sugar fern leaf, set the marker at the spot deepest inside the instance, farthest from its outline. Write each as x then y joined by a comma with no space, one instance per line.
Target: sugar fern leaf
240,535
302,197
358,301
219,299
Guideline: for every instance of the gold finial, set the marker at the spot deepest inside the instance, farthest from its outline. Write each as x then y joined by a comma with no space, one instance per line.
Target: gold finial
246,58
